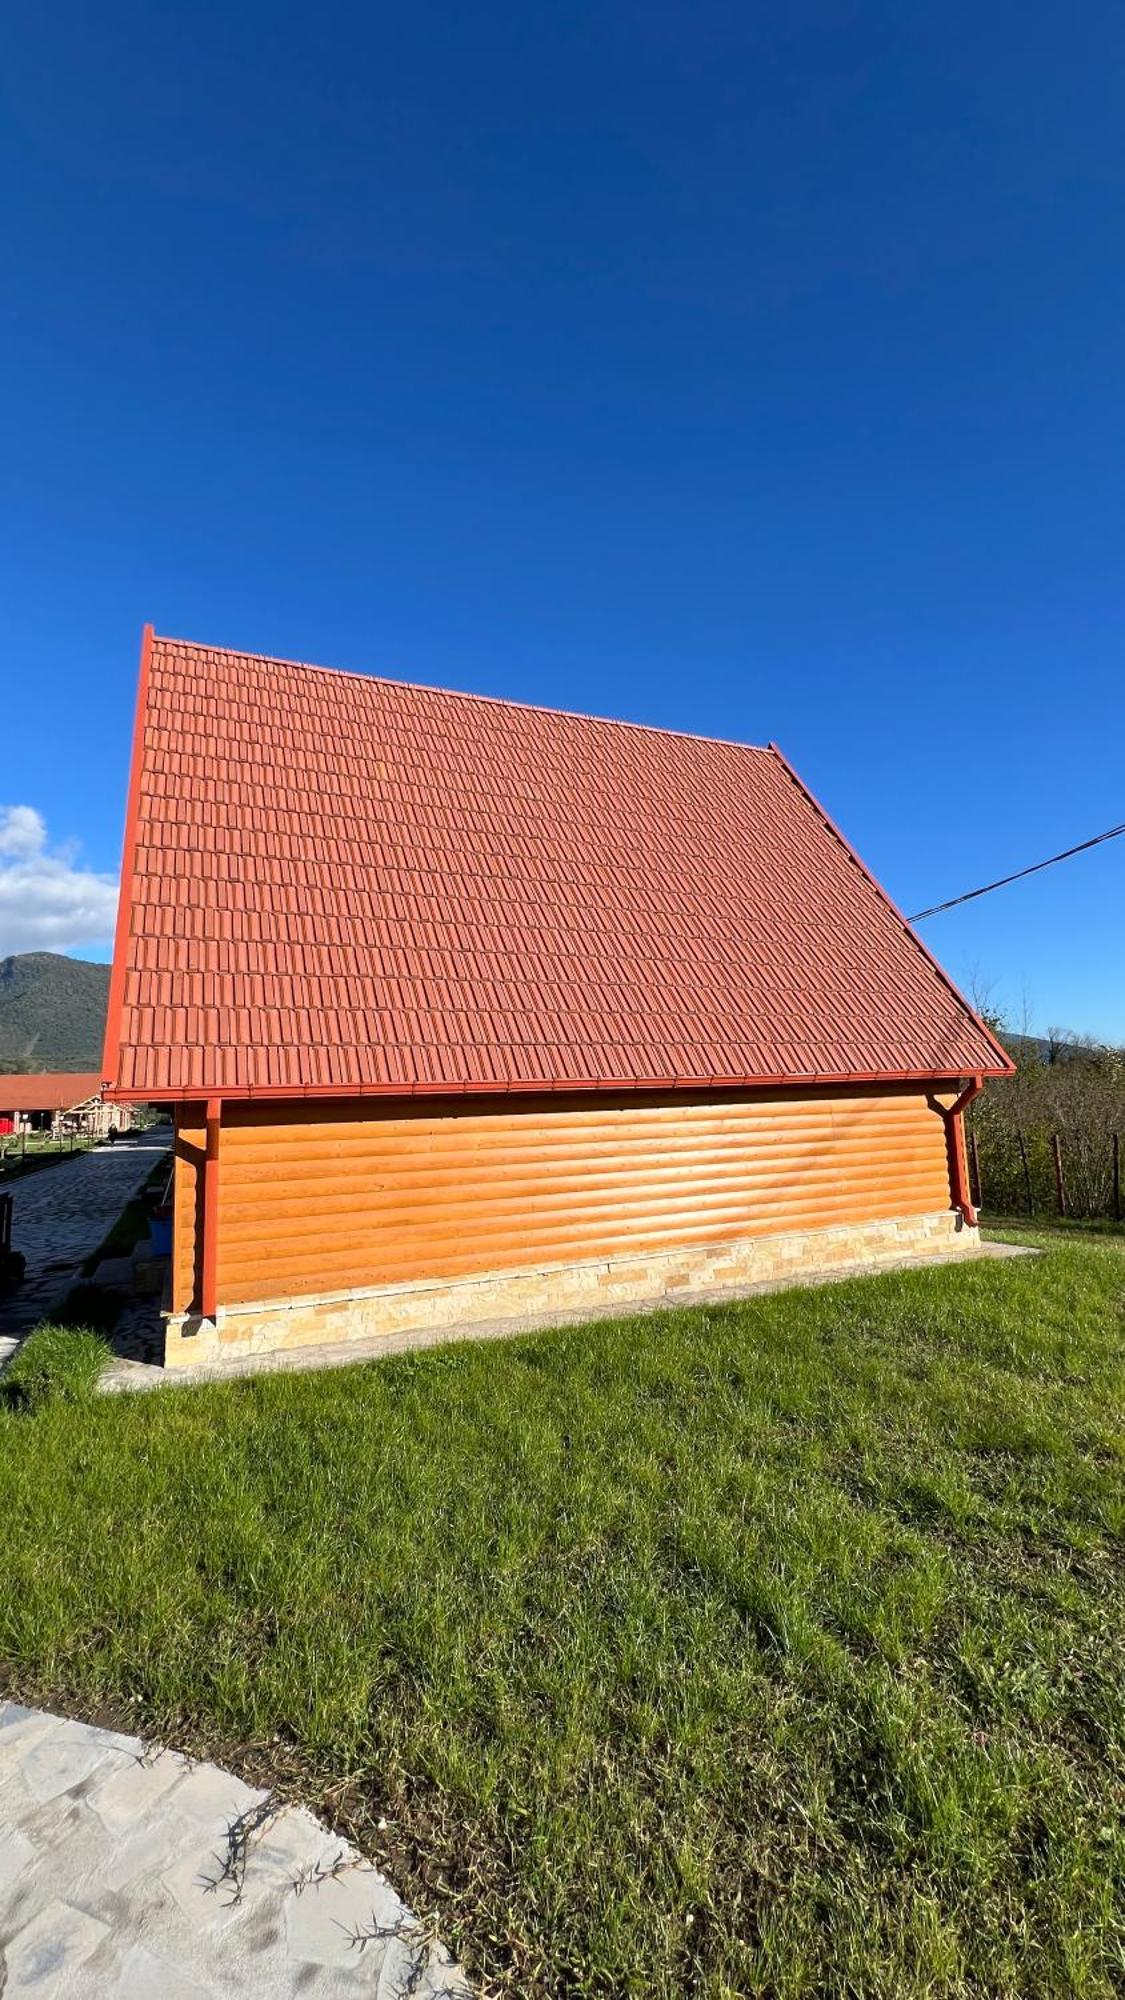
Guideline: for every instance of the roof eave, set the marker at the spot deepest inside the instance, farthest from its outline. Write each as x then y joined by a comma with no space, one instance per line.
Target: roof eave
949,1076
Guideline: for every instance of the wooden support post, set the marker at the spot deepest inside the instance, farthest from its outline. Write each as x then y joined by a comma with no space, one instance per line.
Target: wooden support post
1117,1176
1026,1175
974,1150
1060,1184
208,1302
953,1114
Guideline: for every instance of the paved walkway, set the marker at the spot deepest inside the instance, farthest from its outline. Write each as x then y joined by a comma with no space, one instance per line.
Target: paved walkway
61,1214
129,1874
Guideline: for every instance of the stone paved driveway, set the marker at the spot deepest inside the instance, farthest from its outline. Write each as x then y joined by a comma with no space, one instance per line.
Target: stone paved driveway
128,1874
64,1212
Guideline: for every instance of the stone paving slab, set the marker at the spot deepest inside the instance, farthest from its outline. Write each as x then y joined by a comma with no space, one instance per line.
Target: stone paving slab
61,1214
129,1873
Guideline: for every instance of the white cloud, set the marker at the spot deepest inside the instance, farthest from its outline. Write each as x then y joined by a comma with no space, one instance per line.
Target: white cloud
48,902
22,830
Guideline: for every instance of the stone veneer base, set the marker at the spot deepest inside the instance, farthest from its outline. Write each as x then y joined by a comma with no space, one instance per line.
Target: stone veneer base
590,1289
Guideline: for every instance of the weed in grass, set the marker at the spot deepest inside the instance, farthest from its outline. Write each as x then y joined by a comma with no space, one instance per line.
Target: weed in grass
772,1649
229,1880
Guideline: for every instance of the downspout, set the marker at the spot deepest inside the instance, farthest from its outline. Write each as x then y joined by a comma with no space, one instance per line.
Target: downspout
208,1299
955,1140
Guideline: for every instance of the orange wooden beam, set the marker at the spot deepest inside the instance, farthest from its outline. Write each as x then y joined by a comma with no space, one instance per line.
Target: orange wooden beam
208,1302
958,1160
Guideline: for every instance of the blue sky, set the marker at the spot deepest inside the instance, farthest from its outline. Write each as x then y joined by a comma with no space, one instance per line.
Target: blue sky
749,369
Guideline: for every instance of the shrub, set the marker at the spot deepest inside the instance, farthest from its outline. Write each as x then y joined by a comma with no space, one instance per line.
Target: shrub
1070,1088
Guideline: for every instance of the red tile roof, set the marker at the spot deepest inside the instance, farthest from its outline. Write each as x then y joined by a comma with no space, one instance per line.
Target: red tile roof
49,1090
341,884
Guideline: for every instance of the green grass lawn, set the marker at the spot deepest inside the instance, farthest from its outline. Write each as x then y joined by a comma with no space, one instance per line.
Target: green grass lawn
1055,1225
20,1157
774,1649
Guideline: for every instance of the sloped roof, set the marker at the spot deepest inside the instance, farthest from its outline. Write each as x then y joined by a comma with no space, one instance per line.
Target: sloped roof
49,1090
340,884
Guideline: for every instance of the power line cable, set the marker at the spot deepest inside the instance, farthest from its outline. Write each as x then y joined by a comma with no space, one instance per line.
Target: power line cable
935,910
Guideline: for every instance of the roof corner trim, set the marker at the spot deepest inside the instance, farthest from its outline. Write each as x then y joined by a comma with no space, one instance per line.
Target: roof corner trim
1006,1065
111,1053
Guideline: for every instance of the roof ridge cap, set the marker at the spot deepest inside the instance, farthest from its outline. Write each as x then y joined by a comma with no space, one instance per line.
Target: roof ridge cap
467,694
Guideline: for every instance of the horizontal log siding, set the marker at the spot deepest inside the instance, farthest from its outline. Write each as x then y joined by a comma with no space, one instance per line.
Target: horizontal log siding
317,1197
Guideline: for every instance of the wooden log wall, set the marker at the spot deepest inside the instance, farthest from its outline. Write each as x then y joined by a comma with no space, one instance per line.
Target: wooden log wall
318,1197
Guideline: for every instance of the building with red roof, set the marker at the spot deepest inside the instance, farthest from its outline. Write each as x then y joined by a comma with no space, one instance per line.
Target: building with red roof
57,1101
469,1010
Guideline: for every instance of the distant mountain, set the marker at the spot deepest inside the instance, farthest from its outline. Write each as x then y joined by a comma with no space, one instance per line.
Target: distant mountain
52,1012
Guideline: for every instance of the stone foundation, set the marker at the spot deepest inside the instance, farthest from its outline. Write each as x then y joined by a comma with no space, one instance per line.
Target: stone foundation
602,1286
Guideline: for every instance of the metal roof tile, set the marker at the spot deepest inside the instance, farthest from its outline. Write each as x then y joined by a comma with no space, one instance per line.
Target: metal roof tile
338,882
